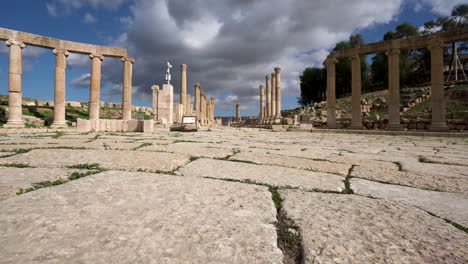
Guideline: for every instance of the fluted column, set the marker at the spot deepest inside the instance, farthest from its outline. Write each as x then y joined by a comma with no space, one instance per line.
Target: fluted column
268,97
439,122
273,96
197,101
262,102
238,117
127,88
183,88
95,90
15,111
331,95
278,91
356,120
59,90
393,89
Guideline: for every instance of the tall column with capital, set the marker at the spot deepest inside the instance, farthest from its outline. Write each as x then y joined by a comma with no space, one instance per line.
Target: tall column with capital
268,97
15,111
278,91
95,90
273,95
262,102
59,90
197,101
331,95
238,116
212,109
183,89
393,89
356,120
439,122
127,88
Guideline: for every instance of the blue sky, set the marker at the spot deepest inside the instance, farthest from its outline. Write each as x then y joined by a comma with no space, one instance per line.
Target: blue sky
229,55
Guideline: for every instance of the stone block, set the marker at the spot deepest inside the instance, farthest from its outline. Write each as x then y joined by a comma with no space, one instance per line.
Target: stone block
73,104
119,125
82,125
40,103
148,126
102,125
101,104
50,103
94,125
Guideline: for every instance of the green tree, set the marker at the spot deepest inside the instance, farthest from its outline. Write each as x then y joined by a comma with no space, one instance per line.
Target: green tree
313,86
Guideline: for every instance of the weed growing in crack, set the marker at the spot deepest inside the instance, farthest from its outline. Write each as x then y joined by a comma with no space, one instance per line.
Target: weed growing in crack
87,166
347,182
16,165
193,158
58,134
234,152
143,145
94,138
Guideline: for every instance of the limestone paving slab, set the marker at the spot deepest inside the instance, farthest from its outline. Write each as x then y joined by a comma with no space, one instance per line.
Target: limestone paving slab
452,206
339,228
113,159
294,162
13,179
128,217
418,180
272,175
192,149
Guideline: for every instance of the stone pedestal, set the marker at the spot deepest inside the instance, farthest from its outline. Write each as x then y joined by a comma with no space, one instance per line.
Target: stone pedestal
94,94
166,103
439,122
15,111
331,95
59,90
127,88
356,120
393,90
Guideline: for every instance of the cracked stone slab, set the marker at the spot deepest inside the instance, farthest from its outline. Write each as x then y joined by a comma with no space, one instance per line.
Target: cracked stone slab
13,179
192,149
451,206
128,217
114,159
339,228
294,162
425,181
272,175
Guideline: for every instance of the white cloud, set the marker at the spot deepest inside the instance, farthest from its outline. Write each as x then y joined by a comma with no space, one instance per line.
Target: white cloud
65,7
89,18
81,82
441,7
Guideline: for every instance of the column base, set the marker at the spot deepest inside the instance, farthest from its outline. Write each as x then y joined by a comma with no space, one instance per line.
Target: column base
356,126
14,124
439,127
394,127
58,124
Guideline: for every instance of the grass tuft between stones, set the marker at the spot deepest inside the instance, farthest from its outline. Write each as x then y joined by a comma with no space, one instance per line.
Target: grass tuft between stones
87,166
15,165
347,183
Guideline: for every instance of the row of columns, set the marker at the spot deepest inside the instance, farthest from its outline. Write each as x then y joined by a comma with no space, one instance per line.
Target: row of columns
15,118
271,109
439,122
204,111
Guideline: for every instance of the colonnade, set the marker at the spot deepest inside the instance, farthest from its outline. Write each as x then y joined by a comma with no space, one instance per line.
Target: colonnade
61,49
434,43
204,110
270,109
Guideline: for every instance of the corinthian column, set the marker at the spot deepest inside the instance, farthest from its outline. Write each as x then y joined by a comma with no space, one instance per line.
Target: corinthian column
94,94
331,95
127,88
393,89
197,101
59,91
268,96
262,102
356,121
439,122
15,112
273,95
278,91
183,89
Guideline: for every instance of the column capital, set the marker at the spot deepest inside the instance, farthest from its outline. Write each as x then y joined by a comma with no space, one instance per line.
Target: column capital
94,55
62,51
261,86
15,42
272,75
277,69
436,45
330,60
197,84
155,87
267,77
355,56
392,51
124,59
183,67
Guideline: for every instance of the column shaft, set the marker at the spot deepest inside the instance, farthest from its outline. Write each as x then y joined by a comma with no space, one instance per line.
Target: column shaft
187,105
238,117
94,94
268,97
331,95
273,95
183,89
59,90
262,102
393,89
127,88
278,91
356,120
439,122
15,111
197,101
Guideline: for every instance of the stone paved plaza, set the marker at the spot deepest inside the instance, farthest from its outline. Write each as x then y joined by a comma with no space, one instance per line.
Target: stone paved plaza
233,196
